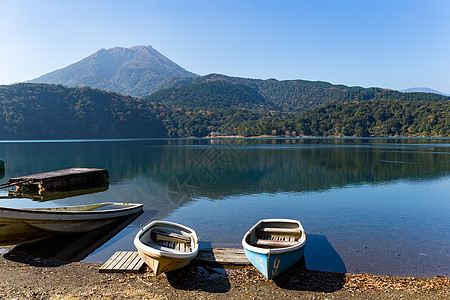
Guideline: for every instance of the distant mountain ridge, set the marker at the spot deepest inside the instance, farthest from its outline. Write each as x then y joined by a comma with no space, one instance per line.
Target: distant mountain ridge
135,71
423,90
217,91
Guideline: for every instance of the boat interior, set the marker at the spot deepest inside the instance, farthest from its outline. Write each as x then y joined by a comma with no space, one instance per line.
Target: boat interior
275,235
167,237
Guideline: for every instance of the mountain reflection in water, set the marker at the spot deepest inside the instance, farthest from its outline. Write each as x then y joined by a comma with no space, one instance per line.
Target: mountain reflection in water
368,197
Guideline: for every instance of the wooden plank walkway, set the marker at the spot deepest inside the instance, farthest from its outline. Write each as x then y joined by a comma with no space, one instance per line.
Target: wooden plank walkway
223,256
123,261
129,261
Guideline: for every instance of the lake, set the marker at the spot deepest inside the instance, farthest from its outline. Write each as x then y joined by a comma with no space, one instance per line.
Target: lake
379,206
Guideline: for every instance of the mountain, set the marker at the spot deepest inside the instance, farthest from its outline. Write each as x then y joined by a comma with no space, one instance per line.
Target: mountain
135,71
423,90
217,91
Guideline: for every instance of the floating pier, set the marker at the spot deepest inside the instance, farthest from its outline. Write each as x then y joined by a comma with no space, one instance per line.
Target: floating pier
61,180
54,195
129,261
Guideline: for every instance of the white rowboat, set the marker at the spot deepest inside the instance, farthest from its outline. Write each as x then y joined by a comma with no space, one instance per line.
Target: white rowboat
166,246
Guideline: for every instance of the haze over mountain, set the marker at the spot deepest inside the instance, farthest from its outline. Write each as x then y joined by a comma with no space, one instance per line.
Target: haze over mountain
135,71
423,90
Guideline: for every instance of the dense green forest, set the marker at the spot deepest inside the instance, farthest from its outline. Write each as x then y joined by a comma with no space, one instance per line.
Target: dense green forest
360,119
40,111
210,95
287,96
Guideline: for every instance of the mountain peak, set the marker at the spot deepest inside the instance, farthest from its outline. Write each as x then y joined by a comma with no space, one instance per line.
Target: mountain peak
423,90
135,71
141,47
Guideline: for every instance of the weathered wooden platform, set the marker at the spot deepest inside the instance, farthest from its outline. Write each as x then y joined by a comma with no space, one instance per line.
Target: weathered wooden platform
223,256
62,179
123,261
54,195
129,261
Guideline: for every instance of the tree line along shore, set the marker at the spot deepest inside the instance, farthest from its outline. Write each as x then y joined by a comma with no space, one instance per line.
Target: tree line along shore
41,111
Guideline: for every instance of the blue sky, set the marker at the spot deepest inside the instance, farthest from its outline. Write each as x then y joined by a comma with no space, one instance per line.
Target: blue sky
394,44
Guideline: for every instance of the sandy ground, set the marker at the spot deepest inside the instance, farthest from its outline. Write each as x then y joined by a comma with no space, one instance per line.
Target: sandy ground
24,277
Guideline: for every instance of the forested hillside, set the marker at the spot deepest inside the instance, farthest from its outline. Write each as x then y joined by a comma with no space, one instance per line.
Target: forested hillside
40,111
287,95
361,119
211,95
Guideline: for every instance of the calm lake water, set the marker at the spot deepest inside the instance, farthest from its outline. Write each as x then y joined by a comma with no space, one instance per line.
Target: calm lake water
379,206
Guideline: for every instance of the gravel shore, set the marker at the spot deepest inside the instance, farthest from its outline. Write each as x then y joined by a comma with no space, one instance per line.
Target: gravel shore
29,278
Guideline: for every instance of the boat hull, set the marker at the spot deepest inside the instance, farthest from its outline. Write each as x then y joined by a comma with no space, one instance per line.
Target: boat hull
161,264
272,265
20,225
162,259
274,245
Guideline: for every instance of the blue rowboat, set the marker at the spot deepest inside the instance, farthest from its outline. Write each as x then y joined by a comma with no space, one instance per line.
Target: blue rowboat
274,245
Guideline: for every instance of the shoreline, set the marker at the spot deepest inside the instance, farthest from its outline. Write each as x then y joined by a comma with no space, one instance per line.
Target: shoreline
218,137
313,137
22,276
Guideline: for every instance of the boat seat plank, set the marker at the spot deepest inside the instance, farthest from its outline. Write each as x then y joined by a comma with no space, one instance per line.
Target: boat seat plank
280,230
163,246
171,236
274,243
170,239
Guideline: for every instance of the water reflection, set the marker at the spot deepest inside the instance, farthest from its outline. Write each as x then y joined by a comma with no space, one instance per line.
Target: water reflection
228,167
68,247
352,191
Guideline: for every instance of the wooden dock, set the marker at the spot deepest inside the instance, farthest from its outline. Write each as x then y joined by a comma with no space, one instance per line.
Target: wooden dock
61,180
223,256
54,195
123,261
129,261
